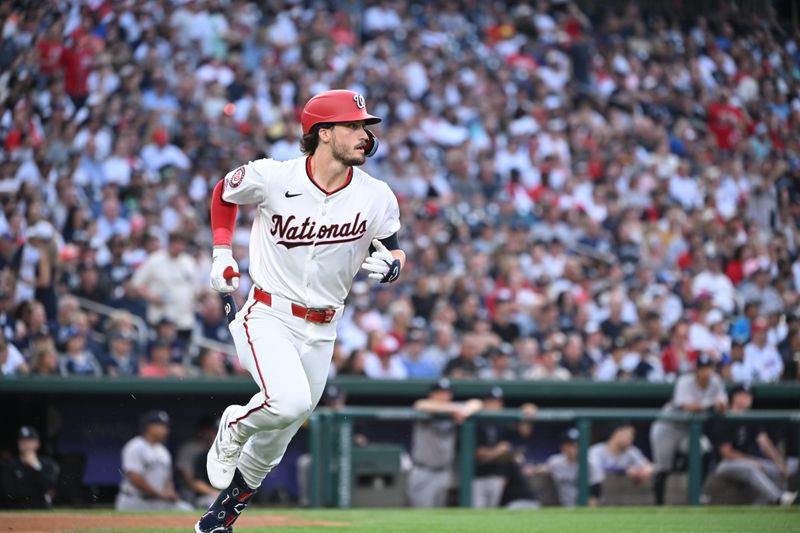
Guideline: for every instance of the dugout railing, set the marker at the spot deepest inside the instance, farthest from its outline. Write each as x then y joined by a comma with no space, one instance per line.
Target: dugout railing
331,443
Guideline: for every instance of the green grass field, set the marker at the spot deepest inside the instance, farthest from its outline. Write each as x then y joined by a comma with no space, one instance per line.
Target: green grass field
562,520
671,519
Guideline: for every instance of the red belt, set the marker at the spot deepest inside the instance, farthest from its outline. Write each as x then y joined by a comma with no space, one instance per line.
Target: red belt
318,315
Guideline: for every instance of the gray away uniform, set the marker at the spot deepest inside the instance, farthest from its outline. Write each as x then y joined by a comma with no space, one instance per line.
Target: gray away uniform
154,463
667,437
433,445
565,474
610,463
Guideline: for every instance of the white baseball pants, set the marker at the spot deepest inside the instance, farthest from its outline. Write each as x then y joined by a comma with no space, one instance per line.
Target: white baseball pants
289,359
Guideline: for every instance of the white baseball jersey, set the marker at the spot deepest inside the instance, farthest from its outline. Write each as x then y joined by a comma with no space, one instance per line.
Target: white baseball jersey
307,244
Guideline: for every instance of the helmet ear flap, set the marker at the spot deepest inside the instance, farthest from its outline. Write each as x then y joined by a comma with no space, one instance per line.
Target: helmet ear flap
372,144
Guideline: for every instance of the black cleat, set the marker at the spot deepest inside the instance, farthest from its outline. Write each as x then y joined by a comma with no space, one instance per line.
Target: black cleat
226,508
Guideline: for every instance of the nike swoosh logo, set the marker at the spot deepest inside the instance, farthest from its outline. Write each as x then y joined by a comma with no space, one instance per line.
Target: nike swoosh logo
290,195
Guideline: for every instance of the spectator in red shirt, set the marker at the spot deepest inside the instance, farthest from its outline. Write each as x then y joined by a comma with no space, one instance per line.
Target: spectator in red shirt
160,365
677,357
77,60
725,121
25,132
50,48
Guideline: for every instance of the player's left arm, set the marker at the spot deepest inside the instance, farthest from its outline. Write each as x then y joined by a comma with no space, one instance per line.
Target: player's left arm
386,259
768,448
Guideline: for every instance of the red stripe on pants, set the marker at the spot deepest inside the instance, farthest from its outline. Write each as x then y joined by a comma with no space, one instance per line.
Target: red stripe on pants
258,369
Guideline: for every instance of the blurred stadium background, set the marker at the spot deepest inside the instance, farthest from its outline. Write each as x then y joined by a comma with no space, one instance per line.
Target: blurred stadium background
593,196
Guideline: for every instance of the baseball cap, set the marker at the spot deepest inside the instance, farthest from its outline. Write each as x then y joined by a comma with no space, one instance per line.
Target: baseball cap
41,230
505,295
504,349
703,360
332,392
704,296
70,332
741,387
441,384
620,424
87,265
28,432
570,435
160,343
156,416
206,421
714,316
494,393
122,335
415,335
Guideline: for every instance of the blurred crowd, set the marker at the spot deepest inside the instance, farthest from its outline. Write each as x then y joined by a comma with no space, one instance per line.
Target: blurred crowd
599,191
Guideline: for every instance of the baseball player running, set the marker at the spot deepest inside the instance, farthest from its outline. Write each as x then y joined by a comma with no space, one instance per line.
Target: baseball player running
318,218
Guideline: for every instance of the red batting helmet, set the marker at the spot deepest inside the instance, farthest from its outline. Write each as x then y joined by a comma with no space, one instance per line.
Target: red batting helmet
335,106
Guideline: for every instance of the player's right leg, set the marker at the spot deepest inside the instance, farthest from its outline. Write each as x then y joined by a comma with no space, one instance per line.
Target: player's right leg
747,472
267,348
261,454
226,508
664,440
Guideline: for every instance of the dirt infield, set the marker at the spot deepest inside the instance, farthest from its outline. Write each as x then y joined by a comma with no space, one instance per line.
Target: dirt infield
65,522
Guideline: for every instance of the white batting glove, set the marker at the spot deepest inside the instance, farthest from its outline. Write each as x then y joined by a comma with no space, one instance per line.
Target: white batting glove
382,265
224,270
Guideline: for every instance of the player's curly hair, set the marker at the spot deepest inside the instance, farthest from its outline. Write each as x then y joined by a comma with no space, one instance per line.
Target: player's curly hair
310,141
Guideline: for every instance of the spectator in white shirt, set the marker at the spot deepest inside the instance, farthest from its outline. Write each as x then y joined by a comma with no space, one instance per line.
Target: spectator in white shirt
161,153
735,370
167,281
732,192
761,359
711,336
98,134
683,188
118,167
699,332
111,221
381,361
380,18
610,368
759,287
713,281
12,362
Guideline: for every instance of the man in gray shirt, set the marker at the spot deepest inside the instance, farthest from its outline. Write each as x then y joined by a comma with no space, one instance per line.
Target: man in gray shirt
619,456
433,445
147,470
563,467
694,392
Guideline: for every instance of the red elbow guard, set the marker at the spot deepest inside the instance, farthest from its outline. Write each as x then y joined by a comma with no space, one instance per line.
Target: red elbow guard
223,217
